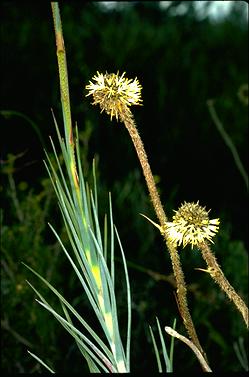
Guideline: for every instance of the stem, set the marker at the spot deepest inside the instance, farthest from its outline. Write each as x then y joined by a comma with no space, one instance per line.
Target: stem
217,274
200,357
138,144
62,65
64,89
228,141
129,122
182,296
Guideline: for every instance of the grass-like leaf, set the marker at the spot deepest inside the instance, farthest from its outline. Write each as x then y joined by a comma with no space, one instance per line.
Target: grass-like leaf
78,204
165,354
168,360
159,364
128,337
41,362
73,311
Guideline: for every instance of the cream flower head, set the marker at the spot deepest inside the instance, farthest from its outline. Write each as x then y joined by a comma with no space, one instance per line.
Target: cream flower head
114,93
191,225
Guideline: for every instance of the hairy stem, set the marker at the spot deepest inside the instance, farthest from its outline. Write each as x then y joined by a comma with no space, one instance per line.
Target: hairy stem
182,295
129,122
138,144
217,274
64,89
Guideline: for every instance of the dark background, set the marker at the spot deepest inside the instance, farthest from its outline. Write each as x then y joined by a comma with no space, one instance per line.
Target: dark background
181,60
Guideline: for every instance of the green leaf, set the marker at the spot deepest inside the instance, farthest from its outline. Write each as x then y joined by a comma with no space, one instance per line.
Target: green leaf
160,370
91,364
41,362
165,354
75,313
128,337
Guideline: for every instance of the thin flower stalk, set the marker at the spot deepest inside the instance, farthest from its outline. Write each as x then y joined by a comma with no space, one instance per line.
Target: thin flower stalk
174,255
130,125
217,275
64,89
182,295
114,94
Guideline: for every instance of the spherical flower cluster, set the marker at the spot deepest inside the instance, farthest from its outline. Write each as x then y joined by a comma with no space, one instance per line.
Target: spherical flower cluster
191,225
114,93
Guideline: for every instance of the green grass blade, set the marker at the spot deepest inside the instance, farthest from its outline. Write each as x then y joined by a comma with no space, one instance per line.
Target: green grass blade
88,204
95,186
59,166
105,273
92,283
41,362
85,268
171,353
105,237
75,332
120,356
75,313
91,364
240,352
165,354
112,239
82,181
77,335
128,336
96,222
160,370
78,229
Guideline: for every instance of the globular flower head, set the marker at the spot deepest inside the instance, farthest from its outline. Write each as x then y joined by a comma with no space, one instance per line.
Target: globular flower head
114,93
191,225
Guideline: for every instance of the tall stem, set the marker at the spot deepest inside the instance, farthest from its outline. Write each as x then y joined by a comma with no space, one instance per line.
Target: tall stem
64,89
176,263
182,295
138,144
216,273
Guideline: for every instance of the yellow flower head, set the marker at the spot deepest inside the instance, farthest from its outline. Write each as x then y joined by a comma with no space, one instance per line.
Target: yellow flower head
114,93
191,225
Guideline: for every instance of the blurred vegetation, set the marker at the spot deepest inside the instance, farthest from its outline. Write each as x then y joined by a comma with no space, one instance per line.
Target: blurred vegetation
181,61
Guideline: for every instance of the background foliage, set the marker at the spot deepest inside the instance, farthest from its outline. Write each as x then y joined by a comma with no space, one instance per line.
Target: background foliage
181,60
